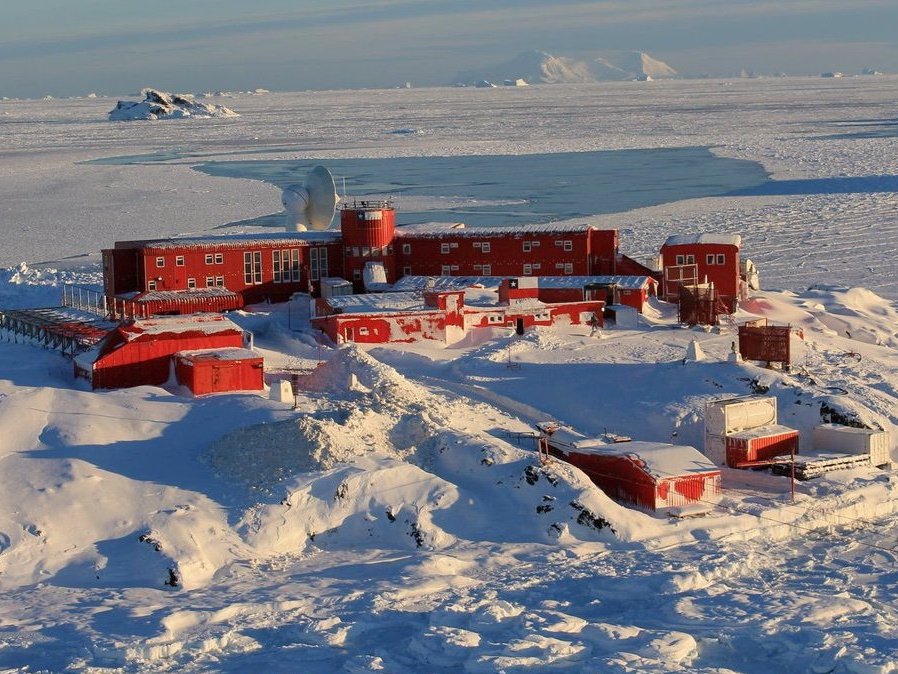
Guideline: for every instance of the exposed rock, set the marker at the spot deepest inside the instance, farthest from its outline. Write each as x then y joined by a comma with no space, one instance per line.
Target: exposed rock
162,105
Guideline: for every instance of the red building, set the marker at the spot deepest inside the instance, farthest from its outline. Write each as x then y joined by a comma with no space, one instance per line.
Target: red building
171,275
650,475
140,353
176,274
440,315
696,259
219,370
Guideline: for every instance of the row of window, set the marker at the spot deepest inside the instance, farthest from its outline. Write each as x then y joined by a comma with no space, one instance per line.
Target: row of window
372,251
710,258
484,246
211,282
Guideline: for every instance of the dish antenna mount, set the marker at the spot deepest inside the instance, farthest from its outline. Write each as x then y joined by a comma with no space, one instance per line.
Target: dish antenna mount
311,205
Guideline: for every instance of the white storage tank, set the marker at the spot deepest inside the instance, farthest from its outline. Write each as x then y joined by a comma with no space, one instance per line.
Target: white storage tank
850,440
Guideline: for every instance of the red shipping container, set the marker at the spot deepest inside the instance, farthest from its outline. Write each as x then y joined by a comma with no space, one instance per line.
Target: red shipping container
219,370
760,444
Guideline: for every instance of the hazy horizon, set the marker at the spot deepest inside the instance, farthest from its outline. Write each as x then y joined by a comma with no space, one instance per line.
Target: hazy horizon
59,48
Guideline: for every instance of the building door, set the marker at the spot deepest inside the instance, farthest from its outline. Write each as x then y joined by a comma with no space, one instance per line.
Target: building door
519,326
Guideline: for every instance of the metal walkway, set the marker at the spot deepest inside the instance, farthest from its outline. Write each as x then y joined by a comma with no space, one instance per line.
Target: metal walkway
64,329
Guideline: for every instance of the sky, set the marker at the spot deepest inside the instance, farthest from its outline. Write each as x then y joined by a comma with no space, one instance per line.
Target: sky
76,47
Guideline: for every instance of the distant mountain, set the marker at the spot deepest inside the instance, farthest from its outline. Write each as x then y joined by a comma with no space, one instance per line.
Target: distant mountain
630,65
534,67
541,67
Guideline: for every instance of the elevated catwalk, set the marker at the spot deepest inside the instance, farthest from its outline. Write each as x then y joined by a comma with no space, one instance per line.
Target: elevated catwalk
59,328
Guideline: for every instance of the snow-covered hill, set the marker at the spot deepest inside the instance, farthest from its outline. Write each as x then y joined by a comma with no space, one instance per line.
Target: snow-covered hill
399,519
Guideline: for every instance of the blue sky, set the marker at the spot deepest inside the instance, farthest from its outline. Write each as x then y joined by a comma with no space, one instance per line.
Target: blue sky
71,47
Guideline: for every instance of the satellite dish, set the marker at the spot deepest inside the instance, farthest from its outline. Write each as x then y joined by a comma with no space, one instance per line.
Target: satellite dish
311,205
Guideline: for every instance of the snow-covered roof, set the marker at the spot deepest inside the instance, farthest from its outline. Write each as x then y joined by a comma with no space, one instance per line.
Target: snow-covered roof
691,239
233,353
660,459
407,283
625,282
457,229
762,432
285,239
663,460
376,303
209,324
191,294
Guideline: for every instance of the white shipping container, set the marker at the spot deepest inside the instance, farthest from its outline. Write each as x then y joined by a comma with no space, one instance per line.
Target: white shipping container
732,415
850,440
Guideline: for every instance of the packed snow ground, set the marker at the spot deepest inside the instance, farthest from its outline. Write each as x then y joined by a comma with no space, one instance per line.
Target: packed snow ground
396,520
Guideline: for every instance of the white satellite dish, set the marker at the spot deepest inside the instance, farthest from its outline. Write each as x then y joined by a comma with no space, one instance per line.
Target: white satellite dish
311,205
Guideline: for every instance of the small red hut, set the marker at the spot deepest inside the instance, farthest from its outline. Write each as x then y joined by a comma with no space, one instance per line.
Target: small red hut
219,370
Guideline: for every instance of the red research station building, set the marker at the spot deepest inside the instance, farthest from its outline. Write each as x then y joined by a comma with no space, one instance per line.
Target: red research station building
177,275
692,259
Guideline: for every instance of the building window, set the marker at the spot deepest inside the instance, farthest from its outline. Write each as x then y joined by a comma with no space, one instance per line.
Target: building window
208,258
356,274
295,269
389,250
363,332
219,281
406,249
375,252
569,268
568,246
526,246
151,285
276,265
160,261
455,267
681,259
720,259
210,281
537,265
313,263
535,244
528,269
355,251
406,271
252,268
559,265
348,250
179,260
219,258
709,259
191,283
446,270
690,259
485,247
487,270
444,248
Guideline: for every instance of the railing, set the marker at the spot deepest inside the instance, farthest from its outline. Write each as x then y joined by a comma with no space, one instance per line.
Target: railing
84,299
96,302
